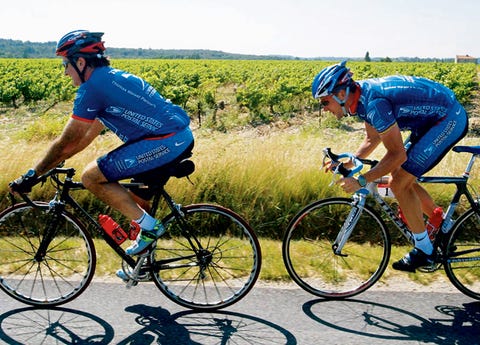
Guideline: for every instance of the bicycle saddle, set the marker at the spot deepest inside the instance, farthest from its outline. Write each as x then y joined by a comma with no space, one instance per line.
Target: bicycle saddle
469,149
158,177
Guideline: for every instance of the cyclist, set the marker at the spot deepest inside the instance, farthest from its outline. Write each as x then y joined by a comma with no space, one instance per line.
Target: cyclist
154,131
387,106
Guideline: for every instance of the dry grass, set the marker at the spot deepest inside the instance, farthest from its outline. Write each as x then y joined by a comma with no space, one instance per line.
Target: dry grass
266,174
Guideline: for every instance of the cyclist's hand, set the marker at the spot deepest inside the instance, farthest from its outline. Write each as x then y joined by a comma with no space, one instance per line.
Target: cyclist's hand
24,183
330,165
349,184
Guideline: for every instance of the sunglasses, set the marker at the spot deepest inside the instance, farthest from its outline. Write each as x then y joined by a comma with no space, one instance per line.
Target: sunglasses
65,64
324,103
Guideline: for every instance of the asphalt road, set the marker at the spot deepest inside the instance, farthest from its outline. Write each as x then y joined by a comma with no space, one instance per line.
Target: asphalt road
108,313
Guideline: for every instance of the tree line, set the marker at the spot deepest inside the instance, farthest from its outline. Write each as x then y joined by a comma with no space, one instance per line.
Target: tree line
25,49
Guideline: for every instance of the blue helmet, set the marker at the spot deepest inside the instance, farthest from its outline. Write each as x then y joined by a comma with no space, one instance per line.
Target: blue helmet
331,79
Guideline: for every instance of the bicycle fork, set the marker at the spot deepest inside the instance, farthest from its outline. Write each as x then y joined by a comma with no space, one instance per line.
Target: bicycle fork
50,231
358,205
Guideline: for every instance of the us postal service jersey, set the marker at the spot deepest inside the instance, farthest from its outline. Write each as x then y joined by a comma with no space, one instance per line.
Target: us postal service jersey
414,103
127,105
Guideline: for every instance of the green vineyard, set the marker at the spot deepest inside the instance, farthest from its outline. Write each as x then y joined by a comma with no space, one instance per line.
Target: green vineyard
266,178
221,92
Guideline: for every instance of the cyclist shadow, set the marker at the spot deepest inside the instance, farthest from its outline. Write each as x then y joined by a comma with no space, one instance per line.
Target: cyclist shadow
60,325
192,327
455,325
157,323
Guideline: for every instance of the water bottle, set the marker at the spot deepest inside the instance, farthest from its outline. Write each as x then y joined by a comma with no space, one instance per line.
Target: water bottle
134,230
434,222
112,228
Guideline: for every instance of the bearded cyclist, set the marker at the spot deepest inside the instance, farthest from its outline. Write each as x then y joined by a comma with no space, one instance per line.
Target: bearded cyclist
389,105
154,131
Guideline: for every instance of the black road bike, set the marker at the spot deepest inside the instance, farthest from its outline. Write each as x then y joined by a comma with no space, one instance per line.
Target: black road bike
209,257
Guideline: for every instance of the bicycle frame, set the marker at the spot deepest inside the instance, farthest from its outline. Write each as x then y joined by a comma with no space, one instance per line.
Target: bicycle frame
58,204
360,198
178,214
338,247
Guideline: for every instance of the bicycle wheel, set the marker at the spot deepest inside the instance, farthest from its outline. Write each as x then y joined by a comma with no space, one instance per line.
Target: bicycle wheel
224,269
462,254
309,257
56,277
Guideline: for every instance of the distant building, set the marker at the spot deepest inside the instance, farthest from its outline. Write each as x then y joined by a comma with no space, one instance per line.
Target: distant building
465,59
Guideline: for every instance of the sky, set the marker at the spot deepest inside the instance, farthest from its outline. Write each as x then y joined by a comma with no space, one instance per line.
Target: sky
301,28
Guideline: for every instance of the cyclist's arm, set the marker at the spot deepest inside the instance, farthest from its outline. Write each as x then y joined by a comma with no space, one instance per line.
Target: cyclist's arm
393,158
370,143
75,137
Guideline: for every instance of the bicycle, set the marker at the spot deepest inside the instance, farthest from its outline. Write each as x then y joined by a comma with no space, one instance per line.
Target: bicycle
339,247
209,258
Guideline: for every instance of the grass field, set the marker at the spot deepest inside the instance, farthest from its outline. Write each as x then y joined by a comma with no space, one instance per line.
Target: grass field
265,173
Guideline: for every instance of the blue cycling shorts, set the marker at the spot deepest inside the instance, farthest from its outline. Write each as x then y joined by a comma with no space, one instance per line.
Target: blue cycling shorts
134,158
428,149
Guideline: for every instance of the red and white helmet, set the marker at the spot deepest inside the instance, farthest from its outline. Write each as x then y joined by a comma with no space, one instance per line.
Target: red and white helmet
81,43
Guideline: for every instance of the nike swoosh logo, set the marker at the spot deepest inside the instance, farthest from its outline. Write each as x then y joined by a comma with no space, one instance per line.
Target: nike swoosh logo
91,110
179,144
458,112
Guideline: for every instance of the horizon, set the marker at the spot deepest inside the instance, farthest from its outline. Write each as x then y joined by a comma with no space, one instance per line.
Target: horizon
269,55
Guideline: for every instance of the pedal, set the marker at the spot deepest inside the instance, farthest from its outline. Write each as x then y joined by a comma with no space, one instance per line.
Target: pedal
435,266
431,268
131,283
140,272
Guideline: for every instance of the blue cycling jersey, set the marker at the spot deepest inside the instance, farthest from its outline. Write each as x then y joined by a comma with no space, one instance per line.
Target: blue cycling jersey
428,109
127,105
413,103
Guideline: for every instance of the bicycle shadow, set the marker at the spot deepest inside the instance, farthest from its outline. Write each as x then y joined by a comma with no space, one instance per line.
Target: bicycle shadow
57,325
455,325
60,325
193,327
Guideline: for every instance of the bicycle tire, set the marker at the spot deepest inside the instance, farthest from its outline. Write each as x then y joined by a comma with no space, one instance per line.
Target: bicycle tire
219,276
462,254
59,276
309,257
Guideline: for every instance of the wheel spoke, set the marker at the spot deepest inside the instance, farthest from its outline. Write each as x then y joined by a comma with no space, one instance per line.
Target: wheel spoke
220,272
311,261
56,277
462,264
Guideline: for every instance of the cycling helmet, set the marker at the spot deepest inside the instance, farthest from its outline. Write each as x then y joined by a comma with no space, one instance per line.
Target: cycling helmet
331,79
81,43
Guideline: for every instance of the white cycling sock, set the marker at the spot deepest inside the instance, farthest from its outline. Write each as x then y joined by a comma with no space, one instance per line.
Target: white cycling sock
422,242
146,221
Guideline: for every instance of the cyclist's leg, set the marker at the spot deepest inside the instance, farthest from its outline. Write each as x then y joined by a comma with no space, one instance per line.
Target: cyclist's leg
430,148
113,194
133,159
423,155
426,200
110,192
403,186
129,160
101,177
142,201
